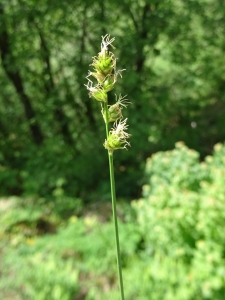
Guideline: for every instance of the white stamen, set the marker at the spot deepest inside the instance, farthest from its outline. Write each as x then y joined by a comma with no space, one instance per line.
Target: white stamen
106,42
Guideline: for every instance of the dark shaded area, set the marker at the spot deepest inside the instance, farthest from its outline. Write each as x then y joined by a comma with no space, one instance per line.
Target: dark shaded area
52,132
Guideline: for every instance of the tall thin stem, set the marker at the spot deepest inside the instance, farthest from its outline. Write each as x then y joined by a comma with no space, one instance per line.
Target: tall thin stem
113,195
106,118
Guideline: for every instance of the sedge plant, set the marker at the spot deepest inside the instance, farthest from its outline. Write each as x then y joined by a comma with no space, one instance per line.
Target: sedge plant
105,75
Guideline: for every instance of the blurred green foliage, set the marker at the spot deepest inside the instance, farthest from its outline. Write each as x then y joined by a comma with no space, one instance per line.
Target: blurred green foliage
172,239
173,53
181,220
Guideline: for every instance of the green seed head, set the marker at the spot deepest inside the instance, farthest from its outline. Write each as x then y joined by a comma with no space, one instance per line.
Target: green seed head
106,74
117,138
113,143
97,91
114,113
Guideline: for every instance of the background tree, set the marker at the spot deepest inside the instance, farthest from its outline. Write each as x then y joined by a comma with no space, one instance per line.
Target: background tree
51,131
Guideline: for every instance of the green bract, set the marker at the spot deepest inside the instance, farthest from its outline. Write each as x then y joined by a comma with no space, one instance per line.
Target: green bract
108,83
98,75
99,95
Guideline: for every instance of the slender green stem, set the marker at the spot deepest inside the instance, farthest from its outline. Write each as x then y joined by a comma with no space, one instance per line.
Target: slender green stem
106,118
113,194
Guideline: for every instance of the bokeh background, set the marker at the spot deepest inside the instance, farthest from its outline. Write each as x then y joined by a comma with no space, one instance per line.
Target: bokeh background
56,236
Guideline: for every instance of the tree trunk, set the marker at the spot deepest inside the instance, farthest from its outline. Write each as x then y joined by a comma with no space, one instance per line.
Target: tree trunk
9,65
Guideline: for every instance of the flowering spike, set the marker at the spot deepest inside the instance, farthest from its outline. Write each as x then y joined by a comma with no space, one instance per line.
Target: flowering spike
106,74
115,110
117,138
96,92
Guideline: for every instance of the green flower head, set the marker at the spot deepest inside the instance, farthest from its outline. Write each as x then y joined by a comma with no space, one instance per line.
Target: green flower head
117,138
105,62
105,75
115,110
97,91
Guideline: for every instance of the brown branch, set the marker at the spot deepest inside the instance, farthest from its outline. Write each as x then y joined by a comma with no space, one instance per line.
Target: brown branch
87,103
51,88
127,7
143,35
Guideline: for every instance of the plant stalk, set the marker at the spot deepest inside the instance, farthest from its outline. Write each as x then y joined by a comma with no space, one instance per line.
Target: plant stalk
113,195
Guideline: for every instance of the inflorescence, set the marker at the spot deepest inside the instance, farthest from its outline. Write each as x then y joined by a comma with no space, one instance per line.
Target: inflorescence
106,74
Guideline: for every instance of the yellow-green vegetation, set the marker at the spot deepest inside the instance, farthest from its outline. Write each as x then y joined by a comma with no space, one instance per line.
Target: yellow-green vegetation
172,239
